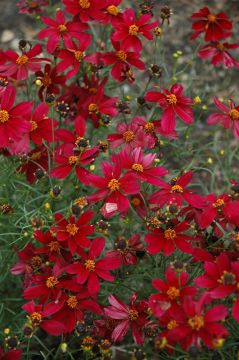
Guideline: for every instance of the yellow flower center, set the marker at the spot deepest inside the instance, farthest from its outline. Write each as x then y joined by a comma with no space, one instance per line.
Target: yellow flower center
133,30
171,99
136,201
211,18
72,301
62,28
79,55
196,322
34,125
112,10
220,47
36,261
173,292
227,278
21,60
172,324
4,116
36,317
128,136
219,203
36,155
170,234
54,246
114,184
133,314
177,189
72,229
93,108
84,4
138,167
234,114
51,282
90,265
149,127
121,55
73,159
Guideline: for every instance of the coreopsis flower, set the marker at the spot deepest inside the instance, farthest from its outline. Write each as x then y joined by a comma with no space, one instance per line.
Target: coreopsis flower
132,316
71,158
215,26
42,127
110,12
73,56
49,284
49,81
121,60
12,118
128,135
38,315
91,270
173,103
13,354
128,28
31,6
141,165
54,249
74,305
127,249
99,105
173,289
18,66
74,231
114,188
195,325
176,192
228,116
61,29
28,262
219,208
37,158
169,239
219,54
86,9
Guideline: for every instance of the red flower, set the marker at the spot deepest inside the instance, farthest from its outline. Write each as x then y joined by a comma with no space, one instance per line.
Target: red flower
173,289
39,312
114,188
131,136
221,278
73,309
169,239
74,231
194,325
15,354
122,61
132,316
86,9
173,103
127,28
219,54
19,65
110,11
42,128
49,81
219,208
73,56
60,29
31,6
91,270
215,26
12,119
139,164
127,250
228,117
175,192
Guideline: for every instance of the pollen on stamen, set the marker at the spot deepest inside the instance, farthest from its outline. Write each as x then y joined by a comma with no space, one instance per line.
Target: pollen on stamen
21,60
171,99
133,30
112,10
72,229
4,116
90,265
138,167
114,184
